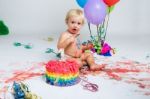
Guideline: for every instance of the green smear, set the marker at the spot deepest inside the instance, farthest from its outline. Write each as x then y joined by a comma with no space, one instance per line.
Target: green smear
17,44
27,46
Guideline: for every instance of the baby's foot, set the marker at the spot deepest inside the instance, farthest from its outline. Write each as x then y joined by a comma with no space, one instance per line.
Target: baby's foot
96,67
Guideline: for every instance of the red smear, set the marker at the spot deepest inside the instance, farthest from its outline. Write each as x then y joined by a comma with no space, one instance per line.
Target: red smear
2,71
144,79
114,76
122,70
139,83
126,70
125,62
3,90
147,93
22,76
142,85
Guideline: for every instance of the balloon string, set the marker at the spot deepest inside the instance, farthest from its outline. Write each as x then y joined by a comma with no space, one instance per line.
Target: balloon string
93,39
90,29
98,33
107,24
87,85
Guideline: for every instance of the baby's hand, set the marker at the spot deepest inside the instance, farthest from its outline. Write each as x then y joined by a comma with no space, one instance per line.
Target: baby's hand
87,46
90,45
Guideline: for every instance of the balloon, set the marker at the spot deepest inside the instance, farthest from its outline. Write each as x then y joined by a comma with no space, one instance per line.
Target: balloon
81,3
95,11
109,9
111,2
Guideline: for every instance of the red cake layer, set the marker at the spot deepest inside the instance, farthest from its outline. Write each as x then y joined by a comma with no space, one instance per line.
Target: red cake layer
62,67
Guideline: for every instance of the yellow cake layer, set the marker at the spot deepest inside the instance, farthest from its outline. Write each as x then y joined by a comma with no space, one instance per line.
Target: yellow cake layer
63,76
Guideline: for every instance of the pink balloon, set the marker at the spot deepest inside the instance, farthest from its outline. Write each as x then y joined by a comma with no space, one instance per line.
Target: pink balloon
95,11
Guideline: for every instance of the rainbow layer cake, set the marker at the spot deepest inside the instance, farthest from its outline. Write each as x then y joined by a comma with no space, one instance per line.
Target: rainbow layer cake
62,73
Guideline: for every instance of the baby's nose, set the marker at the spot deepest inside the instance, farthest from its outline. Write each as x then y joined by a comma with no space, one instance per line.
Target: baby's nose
76,25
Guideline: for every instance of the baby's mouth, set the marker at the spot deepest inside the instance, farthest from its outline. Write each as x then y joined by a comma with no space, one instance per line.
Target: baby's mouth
74,29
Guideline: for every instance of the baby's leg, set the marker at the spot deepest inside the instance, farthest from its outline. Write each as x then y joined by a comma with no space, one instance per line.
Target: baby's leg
78,60
91,62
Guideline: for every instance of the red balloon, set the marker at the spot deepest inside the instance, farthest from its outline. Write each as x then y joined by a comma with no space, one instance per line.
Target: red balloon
111,2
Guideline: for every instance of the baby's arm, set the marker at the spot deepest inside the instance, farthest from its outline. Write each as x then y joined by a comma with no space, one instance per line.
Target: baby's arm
65,41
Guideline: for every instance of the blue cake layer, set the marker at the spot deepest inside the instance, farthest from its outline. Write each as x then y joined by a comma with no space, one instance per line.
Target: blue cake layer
62,82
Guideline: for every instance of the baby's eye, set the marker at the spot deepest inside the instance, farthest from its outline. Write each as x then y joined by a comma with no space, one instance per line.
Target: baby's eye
72,22
79,23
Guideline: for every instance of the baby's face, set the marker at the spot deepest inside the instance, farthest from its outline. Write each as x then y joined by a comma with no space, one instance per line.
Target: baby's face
75,24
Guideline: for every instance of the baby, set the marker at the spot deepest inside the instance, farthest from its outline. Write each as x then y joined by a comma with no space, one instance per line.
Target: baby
67,43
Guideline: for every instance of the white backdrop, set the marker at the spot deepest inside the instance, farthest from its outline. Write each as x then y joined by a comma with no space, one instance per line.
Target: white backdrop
47,16
128,32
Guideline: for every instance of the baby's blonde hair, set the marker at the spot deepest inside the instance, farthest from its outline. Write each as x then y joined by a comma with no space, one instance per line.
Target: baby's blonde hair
74,12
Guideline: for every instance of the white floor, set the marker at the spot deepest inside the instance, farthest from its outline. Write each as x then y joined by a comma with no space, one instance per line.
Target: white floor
13,59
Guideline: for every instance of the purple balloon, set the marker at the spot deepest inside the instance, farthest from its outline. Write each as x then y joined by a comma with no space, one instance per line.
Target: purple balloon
95,11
